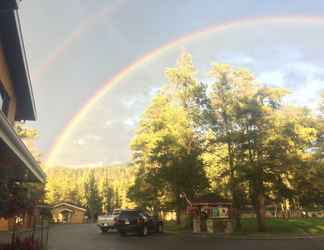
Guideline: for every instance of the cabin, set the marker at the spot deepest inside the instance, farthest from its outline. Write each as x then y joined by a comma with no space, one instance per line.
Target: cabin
17,165
68,213
210,213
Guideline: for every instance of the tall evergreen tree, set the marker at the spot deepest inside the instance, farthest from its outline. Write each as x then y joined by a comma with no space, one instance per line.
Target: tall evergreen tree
92,197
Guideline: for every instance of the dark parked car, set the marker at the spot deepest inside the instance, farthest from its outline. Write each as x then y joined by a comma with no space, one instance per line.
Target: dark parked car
138,221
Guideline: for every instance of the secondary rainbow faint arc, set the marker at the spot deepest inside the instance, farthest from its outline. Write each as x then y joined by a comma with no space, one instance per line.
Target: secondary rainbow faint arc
157,52
85,26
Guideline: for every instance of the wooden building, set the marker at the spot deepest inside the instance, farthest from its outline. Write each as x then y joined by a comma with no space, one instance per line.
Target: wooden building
17,165
65,212
210,213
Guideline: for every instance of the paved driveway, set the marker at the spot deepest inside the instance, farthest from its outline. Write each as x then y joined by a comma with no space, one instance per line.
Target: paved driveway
87,237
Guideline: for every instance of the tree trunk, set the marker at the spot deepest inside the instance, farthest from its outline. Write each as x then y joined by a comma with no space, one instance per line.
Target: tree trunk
178,216
260,209
236,217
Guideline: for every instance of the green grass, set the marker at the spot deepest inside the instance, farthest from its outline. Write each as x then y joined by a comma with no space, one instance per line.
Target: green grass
274,226
281,226
172,227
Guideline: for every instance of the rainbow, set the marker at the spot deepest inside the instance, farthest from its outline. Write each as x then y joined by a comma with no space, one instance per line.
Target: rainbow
68,129
85,26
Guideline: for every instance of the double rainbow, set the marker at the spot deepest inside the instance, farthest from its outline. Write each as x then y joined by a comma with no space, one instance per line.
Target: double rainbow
82,114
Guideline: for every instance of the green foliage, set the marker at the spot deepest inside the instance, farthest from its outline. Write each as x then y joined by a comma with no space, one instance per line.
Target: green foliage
166,147
238,133
69,184
235,136
25,132
93,200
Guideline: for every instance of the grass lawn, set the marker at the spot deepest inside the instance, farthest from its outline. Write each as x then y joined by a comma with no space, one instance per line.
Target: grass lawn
172,227
281,226
274,226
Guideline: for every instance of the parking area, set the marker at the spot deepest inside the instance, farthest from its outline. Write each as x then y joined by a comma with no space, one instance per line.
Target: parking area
88,237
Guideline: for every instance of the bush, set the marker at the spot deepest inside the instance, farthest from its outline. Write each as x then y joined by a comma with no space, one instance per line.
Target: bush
26,244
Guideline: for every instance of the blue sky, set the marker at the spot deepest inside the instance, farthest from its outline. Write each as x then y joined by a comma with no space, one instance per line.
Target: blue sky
117,33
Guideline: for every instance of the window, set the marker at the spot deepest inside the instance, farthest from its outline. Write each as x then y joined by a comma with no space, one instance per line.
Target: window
4,100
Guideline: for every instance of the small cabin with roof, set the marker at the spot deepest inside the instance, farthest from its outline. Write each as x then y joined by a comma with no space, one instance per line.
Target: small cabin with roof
210,213
66,212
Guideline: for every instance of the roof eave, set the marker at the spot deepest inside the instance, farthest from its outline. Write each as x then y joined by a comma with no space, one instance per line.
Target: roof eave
20,149
27,73
14,49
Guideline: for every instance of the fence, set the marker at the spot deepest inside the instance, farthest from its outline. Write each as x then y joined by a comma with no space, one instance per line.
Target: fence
36,237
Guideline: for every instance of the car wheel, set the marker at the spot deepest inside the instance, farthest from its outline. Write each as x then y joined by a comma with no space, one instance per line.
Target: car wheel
104,230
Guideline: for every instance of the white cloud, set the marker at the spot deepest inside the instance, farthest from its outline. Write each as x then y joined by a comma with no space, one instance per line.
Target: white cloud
153,91
84,140
94,137
275,78
237,58
109,123
131,101
242,59
80,141
307,82
130,122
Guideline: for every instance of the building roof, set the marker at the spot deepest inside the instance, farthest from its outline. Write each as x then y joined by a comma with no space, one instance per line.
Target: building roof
14,49
68,204
23,165
8,4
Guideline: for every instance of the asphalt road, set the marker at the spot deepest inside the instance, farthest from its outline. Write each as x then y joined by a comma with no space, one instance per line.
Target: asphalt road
88,237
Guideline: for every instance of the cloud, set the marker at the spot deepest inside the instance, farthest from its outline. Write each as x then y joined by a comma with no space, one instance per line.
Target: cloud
153,91
305,80
108,123
236,58
275,78
130,122
130,101
80,141
94,137
86,139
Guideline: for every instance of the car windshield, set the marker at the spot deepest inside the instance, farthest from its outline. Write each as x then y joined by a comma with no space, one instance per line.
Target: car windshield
202,120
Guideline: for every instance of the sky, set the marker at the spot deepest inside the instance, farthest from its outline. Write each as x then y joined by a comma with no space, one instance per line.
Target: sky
74,48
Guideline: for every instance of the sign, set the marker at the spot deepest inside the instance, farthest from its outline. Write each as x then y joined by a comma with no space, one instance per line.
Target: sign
220,212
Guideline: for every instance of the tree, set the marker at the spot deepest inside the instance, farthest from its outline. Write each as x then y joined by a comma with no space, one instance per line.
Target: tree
108,196
29,136
92,197
166,146
117,199
266,140
231,88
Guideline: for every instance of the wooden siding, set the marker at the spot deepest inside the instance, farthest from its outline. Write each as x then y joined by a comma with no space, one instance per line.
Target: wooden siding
77,215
